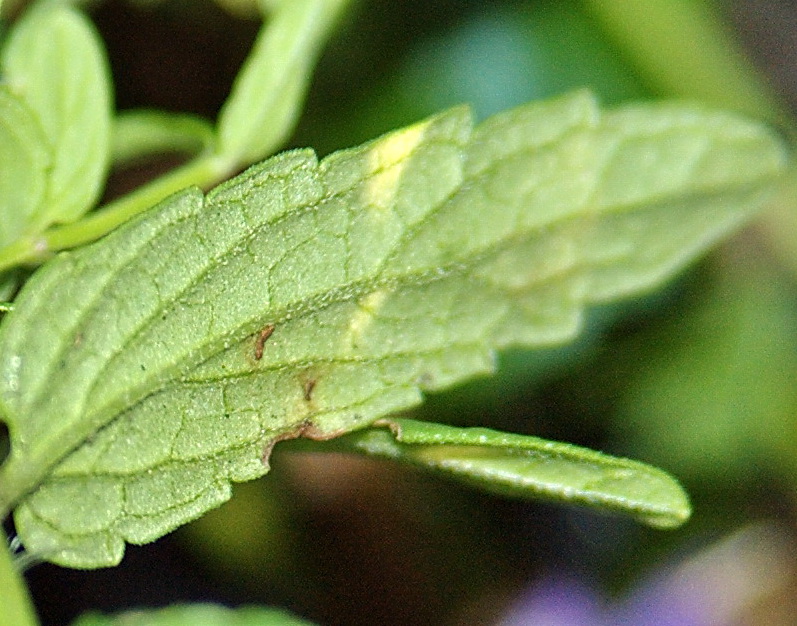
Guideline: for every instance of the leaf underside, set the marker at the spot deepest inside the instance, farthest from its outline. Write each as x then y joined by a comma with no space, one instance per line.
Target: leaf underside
528,467
141,375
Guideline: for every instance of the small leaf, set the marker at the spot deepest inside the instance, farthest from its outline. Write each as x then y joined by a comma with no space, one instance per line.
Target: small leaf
195,615
55,62
142,374
266,98
523,466
24,163
142,133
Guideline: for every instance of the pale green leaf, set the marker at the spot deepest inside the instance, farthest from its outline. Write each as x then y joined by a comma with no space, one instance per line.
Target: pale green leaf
195,615
24,162
142,133
55,62
140,375
16,608
268,92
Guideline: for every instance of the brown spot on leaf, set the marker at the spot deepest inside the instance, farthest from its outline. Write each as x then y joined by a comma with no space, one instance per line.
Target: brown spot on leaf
260,342
306,429
309,385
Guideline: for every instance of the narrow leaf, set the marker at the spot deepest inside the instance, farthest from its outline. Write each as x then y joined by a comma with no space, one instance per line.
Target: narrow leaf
522,466
142,374
54,61
266,98
24,162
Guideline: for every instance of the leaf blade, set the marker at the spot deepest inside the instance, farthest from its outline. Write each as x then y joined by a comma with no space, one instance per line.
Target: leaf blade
266,97
380,272
54,60
529,467
24,161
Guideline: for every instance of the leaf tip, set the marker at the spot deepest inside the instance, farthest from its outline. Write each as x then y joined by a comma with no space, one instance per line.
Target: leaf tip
672,507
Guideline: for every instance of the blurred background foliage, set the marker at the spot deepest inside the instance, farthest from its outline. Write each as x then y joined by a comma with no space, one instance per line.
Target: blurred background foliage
700,379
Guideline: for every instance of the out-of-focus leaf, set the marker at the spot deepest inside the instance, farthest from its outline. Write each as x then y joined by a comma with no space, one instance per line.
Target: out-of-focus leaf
9,283
141,375
24,163
716,395
55,62
523,466
267,95
16,608
682,48
195,615
251,534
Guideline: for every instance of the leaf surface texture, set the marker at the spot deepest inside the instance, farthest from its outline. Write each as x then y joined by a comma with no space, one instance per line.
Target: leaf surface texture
141,375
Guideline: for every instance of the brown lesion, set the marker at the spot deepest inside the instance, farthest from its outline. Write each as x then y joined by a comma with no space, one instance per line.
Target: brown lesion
260,342
304,397
307,389
308,379
306,429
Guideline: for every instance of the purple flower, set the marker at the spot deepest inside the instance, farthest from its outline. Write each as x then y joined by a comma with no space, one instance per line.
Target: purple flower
710,588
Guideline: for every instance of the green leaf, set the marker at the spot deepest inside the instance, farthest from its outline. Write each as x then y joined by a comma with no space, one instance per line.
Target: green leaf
16,608
142,374
195,615
9,283
142,133
55,62
24,163
522,466
266,98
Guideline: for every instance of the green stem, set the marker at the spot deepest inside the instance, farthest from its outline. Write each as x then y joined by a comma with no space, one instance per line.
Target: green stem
204,171
16,608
